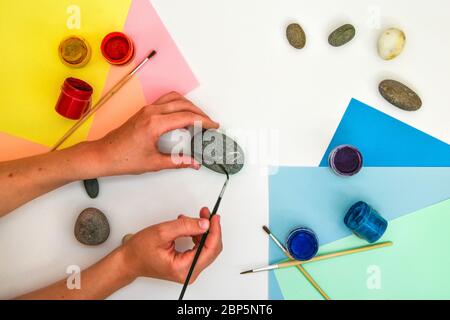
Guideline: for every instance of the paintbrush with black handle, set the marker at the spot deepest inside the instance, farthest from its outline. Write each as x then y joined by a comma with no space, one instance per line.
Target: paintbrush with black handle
203,239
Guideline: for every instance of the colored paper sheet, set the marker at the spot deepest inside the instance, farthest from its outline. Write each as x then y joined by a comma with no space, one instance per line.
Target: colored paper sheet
387,142
15,148
319,199
33,31
167,71
416,267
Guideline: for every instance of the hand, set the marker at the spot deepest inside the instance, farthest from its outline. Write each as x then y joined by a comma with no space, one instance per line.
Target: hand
133,147
151,252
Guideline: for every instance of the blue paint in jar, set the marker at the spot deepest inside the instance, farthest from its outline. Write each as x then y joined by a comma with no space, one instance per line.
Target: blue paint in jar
302,244
365,222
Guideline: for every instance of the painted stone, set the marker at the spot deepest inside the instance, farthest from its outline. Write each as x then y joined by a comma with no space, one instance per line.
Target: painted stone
92,227
342,35
391,43
216,151
296,36
400,95
92,188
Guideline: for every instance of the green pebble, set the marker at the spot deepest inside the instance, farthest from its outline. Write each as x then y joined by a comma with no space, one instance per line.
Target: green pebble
342,35
92,188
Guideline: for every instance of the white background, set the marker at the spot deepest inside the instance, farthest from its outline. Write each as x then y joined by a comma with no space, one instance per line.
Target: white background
251,80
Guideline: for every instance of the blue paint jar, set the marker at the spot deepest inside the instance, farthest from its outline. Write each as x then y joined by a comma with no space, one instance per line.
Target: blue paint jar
302,244
365,222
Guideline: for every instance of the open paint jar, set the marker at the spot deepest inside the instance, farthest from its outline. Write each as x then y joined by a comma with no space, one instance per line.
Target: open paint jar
365,222
75,98
117,48
346,161
302,244
74,52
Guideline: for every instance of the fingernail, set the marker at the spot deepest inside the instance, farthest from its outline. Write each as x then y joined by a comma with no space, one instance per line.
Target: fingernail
203,224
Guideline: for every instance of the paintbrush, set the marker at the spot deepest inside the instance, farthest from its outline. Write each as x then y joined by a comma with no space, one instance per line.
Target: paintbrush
102,101
295,263
299,267
205,235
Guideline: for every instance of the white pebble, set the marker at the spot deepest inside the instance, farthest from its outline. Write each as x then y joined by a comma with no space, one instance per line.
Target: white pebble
391,43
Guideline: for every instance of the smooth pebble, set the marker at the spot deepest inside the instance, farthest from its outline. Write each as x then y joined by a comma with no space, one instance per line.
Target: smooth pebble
296,36
92,227
342,35
92,188
391,43
400,95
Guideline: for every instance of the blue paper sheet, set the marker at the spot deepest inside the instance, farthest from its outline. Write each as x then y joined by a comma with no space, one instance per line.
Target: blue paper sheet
387,142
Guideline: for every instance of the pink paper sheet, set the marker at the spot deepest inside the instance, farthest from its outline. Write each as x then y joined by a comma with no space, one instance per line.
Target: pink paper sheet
167,71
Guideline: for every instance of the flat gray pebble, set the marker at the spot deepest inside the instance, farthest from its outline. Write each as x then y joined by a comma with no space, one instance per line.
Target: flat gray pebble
342,35
92,187
400,95
92,227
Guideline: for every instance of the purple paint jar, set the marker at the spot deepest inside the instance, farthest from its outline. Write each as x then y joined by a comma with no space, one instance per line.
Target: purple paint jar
346,161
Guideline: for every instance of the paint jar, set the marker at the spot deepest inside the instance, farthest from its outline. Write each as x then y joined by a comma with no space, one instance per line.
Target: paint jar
74,51
302,244
365,222
117,48
75,98
346,161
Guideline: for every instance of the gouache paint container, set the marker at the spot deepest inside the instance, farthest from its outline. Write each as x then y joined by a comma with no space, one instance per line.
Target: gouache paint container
117,48
302,244
346,161
75,98
365,222
74,52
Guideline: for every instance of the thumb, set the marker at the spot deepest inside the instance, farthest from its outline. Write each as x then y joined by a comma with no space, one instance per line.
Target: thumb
183,227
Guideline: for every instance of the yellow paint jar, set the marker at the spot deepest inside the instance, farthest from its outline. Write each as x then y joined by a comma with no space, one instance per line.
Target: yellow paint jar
74,52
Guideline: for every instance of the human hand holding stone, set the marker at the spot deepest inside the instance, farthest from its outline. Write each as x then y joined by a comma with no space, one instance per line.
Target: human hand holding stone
133,147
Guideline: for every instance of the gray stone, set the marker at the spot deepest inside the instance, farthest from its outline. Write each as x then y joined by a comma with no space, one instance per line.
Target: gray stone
216,151
92,188
342,35
296,36
92,227
400,95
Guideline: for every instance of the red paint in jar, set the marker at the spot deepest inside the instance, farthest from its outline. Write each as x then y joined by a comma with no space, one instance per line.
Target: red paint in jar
117,48
75,98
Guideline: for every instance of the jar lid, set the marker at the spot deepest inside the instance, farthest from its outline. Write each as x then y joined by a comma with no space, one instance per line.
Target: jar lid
74,51
117,48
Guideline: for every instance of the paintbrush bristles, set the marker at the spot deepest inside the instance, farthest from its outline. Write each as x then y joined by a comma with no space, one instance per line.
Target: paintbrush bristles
247,272
266,229
151,54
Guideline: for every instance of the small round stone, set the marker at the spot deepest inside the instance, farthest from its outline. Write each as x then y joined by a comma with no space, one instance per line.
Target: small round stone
217,152
92,188
400,95
92,227
391,43
342,35
126,238
296,36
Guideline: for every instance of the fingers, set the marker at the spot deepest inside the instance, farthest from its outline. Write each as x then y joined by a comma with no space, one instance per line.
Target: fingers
179,106
171,96
204,214
177,162
184,119
185,227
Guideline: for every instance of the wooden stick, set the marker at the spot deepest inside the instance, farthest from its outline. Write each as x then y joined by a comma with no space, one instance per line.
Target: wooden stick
101,102
299,267
295,263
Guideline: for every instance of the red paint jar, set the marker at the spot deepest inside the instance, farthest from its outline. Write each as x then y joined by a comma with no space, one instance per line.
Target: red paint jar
117,48
75,98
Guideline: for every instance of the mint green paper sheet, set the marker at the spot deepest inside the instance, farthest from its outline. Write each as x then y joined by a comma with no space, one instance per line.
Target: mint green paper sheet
416,267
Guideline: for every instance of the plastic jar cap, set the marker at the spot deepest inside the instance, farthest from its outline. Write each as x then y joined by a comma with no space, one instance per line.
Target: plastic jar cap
117,48
75,99
74,51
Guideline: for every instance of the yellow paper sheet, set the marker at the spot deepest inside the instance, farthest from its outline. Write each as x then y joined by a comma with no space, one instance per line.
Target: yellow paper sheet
32,73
